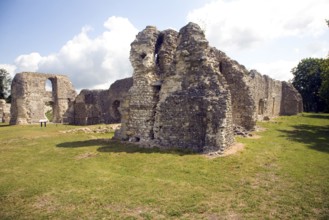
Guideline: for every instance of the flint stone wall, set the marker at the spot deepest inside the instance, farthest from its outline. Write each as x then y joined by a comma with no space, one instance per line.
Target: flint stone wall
99,106
4,111
292,101
187,94
29,97
179,98
267,95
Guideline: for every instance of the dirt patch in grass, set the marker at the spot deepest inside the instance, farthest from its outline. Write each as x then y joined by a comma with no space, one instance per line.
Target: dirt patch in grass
45,203
236,147
86,155
255,136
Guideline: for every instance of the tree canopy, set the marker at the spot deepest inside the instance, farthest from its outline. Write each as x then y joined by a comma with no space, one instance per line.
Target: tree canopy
5,84
311,79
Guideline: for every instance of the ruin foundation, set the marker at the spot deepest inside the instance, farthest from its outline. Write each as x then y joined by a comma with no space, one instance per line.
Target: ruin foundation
4,111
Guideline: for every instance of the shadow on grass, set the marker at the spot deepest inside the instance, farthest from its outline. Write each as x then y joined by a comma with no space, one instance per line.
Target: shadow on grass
319,116
316,137
4,125
113,146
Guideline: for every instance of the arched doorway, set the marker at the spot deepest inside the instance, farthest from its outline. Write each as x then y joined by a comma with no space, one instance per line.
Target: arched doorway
115,110
261,107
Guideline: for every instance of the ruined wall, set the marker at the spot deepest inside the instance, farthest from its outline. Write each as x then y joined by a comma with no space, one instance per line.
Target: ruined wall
291,102
99,106
186,94
179,98
267,95
4,111
30,97
239,81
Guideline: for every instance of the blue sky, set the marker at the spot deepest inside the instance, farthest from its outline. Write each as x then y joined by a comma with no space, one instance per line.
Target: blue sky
89,40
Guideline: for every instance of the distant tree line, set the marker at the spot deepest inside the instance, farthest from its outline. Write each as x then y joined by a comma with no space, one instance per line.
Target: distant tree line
311,79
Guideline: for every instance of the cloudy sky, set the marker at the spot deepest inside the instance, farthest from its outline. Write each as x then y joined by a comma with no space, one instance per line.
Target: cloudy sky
89,40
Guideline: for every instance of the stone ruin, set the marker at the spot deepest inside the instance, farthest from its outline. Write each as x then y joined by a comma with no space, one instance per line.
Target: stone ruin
189,95
4,111
31,99
99,106
183,94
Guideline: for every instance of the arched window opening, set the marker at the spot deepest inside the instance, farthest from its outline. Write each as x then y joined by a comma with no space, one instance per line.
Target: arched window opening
49,85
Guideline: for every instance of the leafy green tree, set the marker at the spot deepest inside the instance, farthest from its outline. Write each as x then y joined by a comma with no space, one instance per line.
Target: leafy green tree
5,84
324,89
307,80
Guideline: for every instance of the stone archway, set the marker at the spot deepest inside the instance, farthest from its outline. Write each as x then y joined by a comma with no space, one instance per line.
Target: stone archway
49,99
30,95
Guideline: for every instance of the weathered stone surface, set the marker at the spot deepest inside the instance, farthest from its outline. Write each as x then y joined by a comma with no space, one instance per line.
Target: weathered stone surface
267,94
292,101
103,129
187,94
30,97
4,111
239,81
179,98
99,106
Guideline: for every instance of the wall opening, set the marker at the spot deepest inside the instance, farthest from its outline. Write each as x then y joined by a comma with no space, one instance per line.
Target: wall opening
261,107
273,106
49,85
221,67
157,48
115,110
49,100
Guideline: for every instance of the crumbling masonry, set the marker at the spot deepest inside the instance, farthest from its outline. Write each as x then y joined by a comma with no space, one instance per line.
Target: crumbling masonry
99,106
4,111
183,94
189,95
30,99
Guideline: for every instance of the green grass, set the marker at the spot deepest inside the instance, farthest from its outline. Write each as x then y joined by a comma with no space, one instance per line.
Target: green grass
45,174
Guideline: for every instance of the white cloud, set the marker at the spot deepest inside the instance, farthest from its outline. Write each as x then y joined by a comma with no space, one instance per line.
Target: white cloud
28,62
11,69
280,69
90,63
240,24
271,36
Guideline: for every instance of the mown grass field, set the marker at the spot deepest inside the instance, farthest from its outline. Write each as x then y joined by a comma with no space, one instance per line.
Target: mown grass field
284,174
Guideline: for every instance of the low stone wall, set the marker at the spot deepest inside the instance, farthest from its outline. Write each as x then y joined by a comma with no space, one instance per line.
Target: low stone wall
98,106
4,111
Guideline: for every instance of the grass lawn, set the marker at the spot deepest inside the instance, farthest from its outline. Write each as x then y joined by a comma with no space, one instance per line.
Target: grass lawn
46,174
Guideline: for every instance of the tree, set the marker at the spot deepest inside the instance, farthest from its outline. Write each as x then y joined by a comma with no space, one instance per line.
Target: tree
324,89
307,80
5,84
